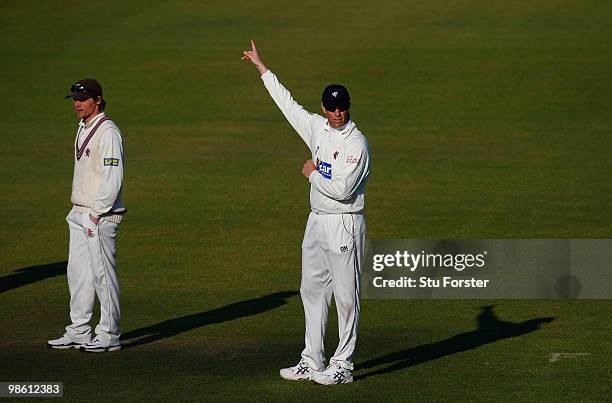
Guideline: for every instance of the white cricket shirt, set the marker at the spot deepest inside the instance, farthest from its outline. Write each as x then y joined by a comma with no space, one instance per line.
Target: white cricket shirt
342,156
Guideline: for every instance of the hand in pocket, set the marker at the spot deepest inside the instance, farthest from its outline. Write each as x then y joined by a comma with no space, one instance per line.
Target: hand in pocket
89,226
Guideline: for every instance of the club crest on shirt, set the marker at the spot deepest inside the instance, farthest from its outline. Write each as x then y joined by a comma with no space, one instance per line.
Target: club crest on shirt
90,232
87,152
325,169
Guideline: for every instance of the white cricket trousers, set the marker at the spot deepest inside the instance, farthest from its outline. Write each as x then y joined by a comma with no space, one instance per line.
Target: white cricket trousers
332,255
91,271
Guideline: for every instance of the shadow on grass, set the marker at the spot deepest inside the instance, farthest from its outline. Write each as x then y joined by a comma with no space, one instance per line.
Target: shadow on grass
32,274
490,329
172,327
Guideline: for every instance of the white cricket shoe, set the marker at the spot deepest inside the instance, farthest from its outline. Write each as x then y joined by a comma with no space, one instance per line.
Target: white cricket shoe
334,374
64,343
300,372
99,346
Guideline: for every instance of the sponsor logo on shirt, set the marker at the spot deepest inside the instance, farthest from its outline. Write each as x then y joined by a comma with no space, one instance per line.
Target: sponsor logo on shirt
351,159
111,162
325,169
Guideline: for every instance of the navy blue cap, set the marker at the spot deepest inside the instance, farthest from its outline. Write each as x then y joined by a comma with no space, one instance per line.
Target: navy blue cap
336,96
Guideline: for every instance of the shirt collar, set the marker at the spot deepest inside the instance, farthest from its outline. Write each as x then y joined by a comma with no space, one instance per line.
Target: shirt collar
341,131
93,121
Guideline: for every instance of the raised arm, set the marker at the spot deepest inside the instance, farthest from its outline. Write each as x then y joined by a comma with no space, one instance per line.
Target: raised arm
300,119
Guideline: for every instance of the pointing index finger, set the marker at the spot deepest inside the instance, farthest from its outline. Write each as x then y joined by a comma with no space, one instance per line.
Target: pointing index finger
253,46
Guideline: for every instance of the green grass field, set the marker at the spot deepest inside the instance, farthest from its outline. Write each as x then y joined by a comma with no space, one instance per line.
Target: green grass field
485,120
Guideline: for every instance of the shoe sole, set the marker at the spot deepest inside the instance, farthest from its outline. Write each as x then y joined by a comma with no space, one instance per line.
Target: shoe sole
100,350
296,379
64,346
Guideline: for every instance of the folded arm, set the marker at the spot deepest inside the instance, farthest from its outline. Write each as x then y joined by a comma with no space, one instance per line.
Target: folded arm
347,177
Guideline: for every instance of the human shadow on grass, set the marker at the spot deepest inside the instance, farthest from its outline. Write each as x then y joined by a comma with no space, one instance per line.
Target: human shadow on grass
237,310
32,274
490,329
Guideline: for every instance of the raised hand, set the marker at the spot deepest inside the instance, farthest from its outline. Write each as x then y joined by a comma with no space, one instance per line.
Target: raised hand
253,56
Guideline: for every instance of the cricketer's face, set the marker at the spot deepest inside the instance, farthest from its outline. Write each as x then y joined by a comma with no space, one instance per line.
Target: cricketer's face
336,118
87,108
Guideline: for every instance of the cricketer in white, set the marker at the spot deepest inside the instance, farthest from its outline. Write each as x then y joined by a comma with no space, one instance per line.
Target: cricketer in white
333,244
93,223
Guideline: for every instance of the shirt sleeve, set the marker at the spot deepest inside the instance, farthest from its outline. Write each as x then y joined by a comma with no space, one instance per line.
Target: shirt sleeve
111,152
347,178
300,119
